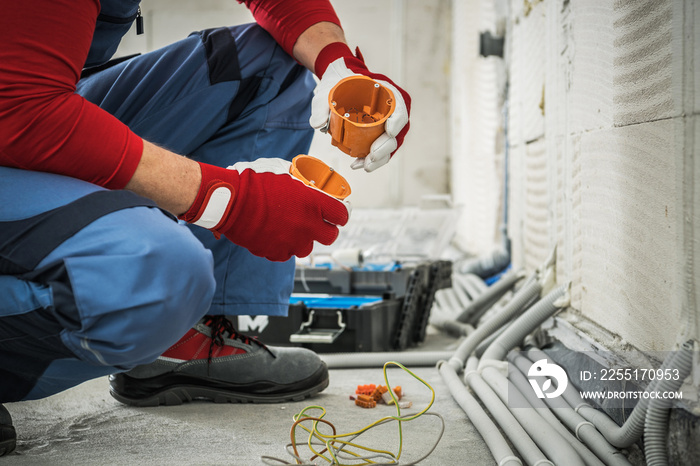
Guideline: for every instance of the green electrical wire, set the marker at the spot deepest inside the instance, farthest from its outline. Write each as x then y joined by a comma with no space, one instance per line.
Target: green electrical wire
331,441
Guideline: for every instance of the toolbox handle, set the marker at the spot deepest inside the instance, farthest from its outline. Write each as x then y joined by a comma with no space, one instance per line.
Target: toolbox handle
306,334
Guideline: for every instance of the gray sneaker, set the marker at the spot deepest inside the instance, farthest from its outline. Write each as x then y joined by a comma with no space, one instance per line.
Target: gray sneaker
215,362
8,436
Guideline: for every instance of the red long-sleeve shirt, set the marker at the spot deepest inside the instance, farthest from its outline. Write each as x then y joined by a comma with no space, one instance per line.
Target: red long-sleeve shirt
46,126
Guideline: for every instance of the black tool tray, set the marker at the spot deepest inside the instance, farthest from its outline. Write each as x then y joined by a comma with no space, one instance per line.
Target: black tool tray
343,310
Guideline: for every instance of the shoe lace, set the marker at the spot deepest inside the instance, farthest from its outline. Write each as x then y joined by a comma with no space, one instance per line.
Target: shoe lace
221,328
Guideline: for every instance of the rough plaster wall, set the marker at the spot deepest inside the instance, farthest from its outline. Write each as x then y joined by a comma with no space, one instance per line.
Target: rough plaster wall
476,109
407,40
530,200
603,126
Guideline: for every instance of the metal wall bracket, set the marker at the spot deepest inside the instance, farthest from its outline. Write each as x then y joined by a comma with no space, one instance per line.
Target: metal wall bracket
490,45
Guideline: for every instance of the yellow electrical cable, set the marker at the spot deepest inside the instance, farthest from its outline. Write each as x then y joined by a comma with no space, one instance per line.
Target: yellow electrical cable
330,440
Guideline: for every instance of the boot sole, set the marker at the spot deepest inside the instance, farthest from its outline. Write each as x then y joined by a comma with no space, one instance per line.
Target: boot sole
177,395
8,445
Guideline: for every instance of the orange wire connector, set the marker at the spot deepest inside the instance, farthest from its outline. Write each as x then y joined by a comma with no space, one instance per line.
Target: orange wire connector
378,392
365,389
365,401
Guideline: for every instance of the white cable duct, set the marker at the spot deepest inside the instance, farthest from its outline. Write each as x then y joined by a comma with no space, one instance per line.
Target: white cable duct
561,411
450,302
478,315
509,336
515,432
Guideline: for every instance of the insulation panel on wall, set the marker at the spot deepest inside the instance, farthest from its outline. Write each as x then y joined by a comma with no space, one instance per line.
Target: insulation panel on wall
619,142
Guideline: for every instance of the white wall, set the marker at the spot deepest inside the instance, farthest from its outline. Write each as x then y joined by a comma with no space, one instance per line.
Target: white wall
477,126
603,131
407,40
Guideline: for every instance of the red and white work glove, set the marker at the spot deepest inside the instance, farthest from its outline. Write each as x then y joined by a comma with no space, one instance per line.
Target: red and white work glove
259,205
336,62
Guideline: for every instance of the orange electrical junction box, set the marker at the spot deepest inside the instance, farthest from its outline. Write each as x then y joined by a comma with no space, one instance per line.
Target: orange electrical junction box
314,172
359,108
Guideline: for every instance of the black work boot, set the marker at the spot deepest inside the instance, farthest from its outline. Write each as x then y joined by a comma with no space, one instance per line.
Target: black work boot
8,436
215,362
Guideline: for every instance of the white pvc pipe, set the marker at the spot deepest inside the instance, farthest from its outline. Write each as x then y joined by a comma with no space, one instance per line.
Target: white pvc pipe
531,288
584,430
495,442
378,359
656,419
490,296
524,325
523,386
512,428
619,436
551,442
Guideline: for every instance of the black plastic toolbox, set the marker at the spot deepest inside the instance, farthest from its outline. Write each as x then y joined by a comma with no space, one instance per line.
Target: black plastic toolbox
356,310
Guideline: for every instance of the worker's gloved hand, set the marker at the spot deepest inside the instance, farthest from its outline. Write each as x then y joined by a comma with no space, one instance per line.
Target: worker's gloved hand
260,206
336,62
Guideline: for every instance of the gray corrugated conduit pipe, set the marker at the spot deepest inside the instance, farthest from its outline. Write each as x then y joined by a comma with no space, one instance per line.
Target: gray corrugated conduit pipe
551,442
525,324
556,446
490,264
523,296
450,301
449,373
560,410
489,431
619,436
490,296
474,284
656,420
481,314
517,435
452,327
468,286
407,358
486,342
523,386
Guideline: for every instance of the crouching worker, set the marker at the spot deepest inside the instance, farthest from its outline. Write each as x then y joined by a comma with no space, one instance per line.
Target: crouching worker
121,256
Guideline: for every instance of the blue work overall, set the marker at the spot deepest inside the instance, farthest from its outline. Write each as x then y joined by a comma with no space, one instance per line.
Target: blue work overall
93,281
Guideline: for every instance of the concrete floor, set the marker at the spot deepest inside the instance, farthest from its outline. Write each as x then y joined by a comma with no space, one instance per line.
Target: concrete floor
86,426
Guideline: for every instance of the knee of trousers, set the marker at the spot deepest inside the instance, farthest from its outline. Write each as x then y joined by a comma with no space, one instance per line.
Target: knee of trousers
152,281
